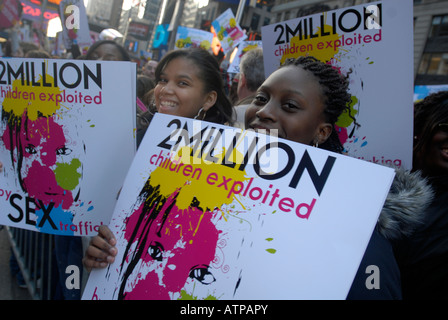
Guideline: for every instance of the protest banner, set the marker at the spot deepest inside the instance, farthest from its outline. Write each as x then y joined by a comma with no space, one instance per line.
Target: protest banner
372,44
243,47
75,26
213,212
196,38
229,33
67,140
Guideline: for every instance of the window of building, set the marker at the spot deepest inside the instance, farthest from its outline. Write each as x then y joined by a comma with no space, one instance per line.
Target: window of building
255,21
439,26
434,64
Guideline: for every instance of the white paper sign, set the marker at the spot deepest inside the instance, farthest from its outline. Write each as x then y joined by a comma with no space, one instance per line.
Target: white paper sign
67,141
243,47
373,43
231,214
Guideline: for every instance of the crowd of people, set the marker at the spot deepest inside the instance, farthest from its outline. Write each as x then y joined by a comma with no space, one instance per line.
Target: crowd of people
302,101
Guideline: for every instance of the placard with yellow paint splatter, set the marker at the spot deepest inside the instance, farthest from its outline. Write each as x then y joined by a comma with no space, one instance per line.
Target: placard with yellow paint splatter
194,38
213,212
63,123
372,44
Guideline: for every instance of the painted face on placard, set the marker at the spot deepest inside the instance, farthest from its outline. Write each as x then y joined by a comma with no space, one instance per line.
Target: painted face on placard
50,171
173,246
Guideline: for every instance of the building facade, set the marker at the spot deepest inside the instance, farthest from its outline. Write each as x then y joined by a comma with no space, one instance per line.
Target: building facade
104,13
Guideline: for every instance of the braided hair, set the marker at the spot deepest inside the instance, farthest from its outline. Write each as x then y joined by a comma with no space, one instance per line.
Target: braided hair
334,86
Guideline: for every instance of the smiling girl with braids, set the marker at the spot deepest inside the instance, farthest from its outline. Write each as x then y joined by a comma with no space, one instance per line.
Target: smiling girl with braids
423,257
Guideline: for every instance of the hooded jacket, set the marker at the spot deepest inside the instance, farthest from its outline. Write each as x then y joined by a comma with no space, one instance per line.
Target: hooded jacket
403,212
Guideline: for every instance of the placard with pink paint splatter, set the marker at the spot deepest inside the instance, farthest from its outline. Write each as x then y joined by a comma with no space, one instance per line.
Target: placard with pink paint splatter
213,212
372,44
63,124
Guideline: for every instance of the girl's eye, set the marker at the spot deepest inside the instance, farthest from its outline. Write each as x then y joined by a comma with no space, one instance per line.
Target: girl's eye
162,81
183,83
202,274
290,106
260,99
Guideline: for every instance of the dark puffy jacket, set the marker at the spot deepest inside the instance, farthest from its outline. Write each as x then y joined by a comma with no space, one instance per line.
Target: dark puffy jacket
402,214
423,257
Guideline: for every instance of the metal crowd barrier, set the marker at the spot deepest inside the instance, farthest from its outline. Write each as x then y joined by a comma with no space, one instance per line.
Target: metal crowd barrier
34,254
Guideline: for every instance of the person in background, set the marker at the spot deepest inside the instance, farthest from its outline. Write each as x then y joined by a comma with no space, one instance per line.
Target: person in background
188,84
107,50
251,77
144,85
149,69
28,46
423,256
301,101
75,51
38,54
21,51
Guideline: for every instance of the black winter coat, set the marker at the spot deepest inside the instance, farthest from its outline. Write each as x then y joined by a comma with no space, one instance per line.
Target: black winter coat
423,257
401,215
